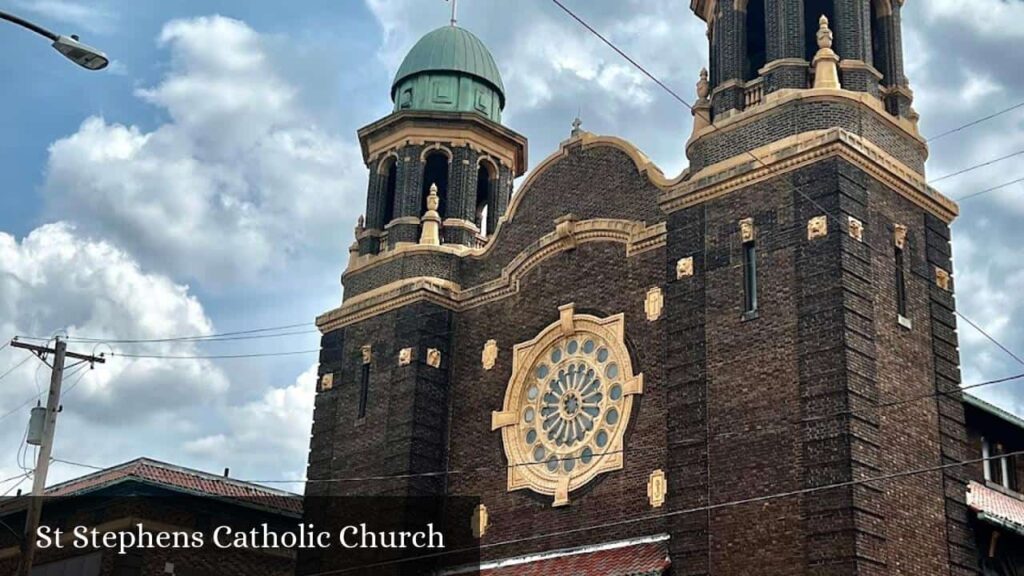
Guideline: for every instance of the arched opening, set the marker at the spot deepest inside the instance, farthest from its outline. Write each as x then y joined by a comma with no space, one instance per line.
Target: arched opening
435,171
486,183
389,174
757,39
813,9
880,40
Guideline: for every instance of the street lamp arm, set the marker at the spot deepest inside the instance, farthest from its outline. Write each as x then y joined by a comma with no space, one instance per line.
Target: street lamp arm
26,24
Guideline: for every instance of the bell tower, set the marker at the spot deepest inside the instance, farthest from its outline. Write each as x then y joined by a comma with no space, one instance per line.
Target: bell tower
446,132
441,168
821,292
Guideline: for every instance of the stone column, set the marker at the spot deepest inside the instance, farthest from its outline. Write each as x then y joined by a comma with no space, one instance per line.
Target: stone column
852,28
408,202
786,66
730,41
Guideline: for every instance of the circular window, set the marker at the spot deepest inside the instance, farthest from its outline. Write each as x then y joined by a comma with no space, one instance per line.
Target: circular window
568,404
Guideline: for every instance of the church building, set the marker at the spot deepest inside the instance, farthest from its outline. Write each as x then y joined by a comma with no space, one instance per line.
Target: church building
642,374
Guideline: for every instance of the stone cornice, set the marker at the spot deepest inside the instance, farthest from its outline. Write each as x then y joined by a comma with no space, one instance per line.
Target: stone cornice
800,150
457,129
790,97
636,236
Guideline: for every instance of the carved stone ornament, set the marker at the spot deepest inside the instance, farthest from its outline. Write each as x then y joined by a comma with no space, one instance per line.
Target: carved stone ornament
405,356
654,304
942,279
327,382
490,354
684,268
899,236
856,228
657,488
817,227
434,358
367,352
567,406
480,521
747,233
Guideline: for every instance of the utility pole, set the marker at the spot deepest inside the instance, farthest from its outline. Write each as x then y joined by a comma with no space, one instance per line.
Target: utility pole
35,510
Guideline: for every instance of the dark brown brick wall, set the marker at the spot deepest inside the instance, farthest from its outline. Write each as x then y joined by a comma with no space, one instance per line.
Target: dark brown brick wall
733,408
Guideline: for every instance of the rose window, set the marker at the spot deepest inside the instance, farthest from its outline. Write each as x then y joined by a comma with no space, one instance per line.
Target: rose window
567,405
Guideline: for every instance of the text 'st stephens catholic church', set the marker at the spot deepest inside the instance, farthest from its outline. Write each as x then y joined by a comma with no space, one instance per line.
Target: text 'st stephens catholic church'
610,344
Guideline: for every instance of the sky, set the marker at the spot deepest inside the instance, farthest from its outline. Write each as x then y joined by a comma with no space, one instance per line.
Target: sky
209,180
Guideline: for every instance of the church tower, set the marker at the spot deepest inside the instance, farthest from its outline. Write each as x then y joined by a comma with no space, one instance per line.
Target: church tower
686,376
821,294
441,168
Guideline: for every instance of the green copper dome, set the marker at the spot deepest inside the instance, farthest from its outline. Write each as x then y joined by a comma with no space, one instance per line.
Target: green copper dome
449,69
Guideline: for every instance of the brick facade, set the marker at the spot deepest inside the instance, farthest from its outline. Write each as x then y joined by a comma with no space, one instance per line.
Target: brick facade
737,406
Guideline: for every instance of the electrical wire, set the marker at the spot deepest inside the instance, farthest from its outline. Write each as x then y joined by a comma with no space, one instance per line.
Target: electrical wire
631,449
976,166
708,508
200,337
975,122
215,356
987,190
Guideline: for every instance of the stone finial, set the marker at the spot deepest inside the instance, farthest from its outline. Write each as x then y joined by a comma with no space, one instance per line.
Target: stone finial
824,33
703,87
431,221
577,127
826,70
702,107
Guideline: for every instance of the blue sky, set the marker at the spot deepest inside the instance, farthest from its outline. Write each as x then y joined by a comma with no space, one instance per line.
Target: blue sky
210,179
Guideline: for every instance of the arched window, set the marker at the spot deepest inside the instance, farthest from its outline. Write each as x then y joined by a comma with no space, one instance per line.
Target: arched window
757,39
486,178
435,171
813,9
389,176
880,39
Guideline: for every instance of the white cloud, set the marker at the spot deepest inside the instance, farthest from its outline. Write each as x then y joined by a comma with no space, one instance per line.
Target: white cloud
55,279
271,431
92,18
236,183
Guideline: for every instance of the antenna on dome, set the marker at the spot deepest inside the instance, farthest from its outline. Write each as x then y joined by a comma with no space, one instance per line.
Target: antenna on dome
455,11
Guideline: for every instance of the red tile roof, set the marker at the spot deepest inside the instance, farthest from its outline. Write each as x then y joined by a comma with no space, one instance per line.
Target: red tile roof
181,479
994,506
647,557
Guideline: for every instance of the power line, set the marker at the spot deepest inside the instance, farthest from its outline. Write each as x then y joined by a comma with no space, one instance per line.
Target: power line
16,366
632,449
992,189
216,356
708,508
976,166
975,122
237,335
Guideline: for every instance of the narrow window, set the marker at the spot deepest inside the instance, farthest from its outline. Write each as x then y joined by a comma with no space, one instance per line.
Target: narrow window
364,389
813,11
998,464
757,44
750,277
901,284
986,453
484,196
880,41
390,174
435,171
1010,473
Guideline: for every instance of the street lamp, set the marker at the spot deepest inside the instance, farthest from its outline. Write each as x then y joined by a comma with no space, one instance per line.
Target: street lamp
82,54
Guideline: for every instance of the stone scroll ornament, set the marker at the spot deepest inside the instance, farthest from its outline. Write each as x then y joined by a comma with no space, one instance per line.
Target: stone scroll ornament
568,405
